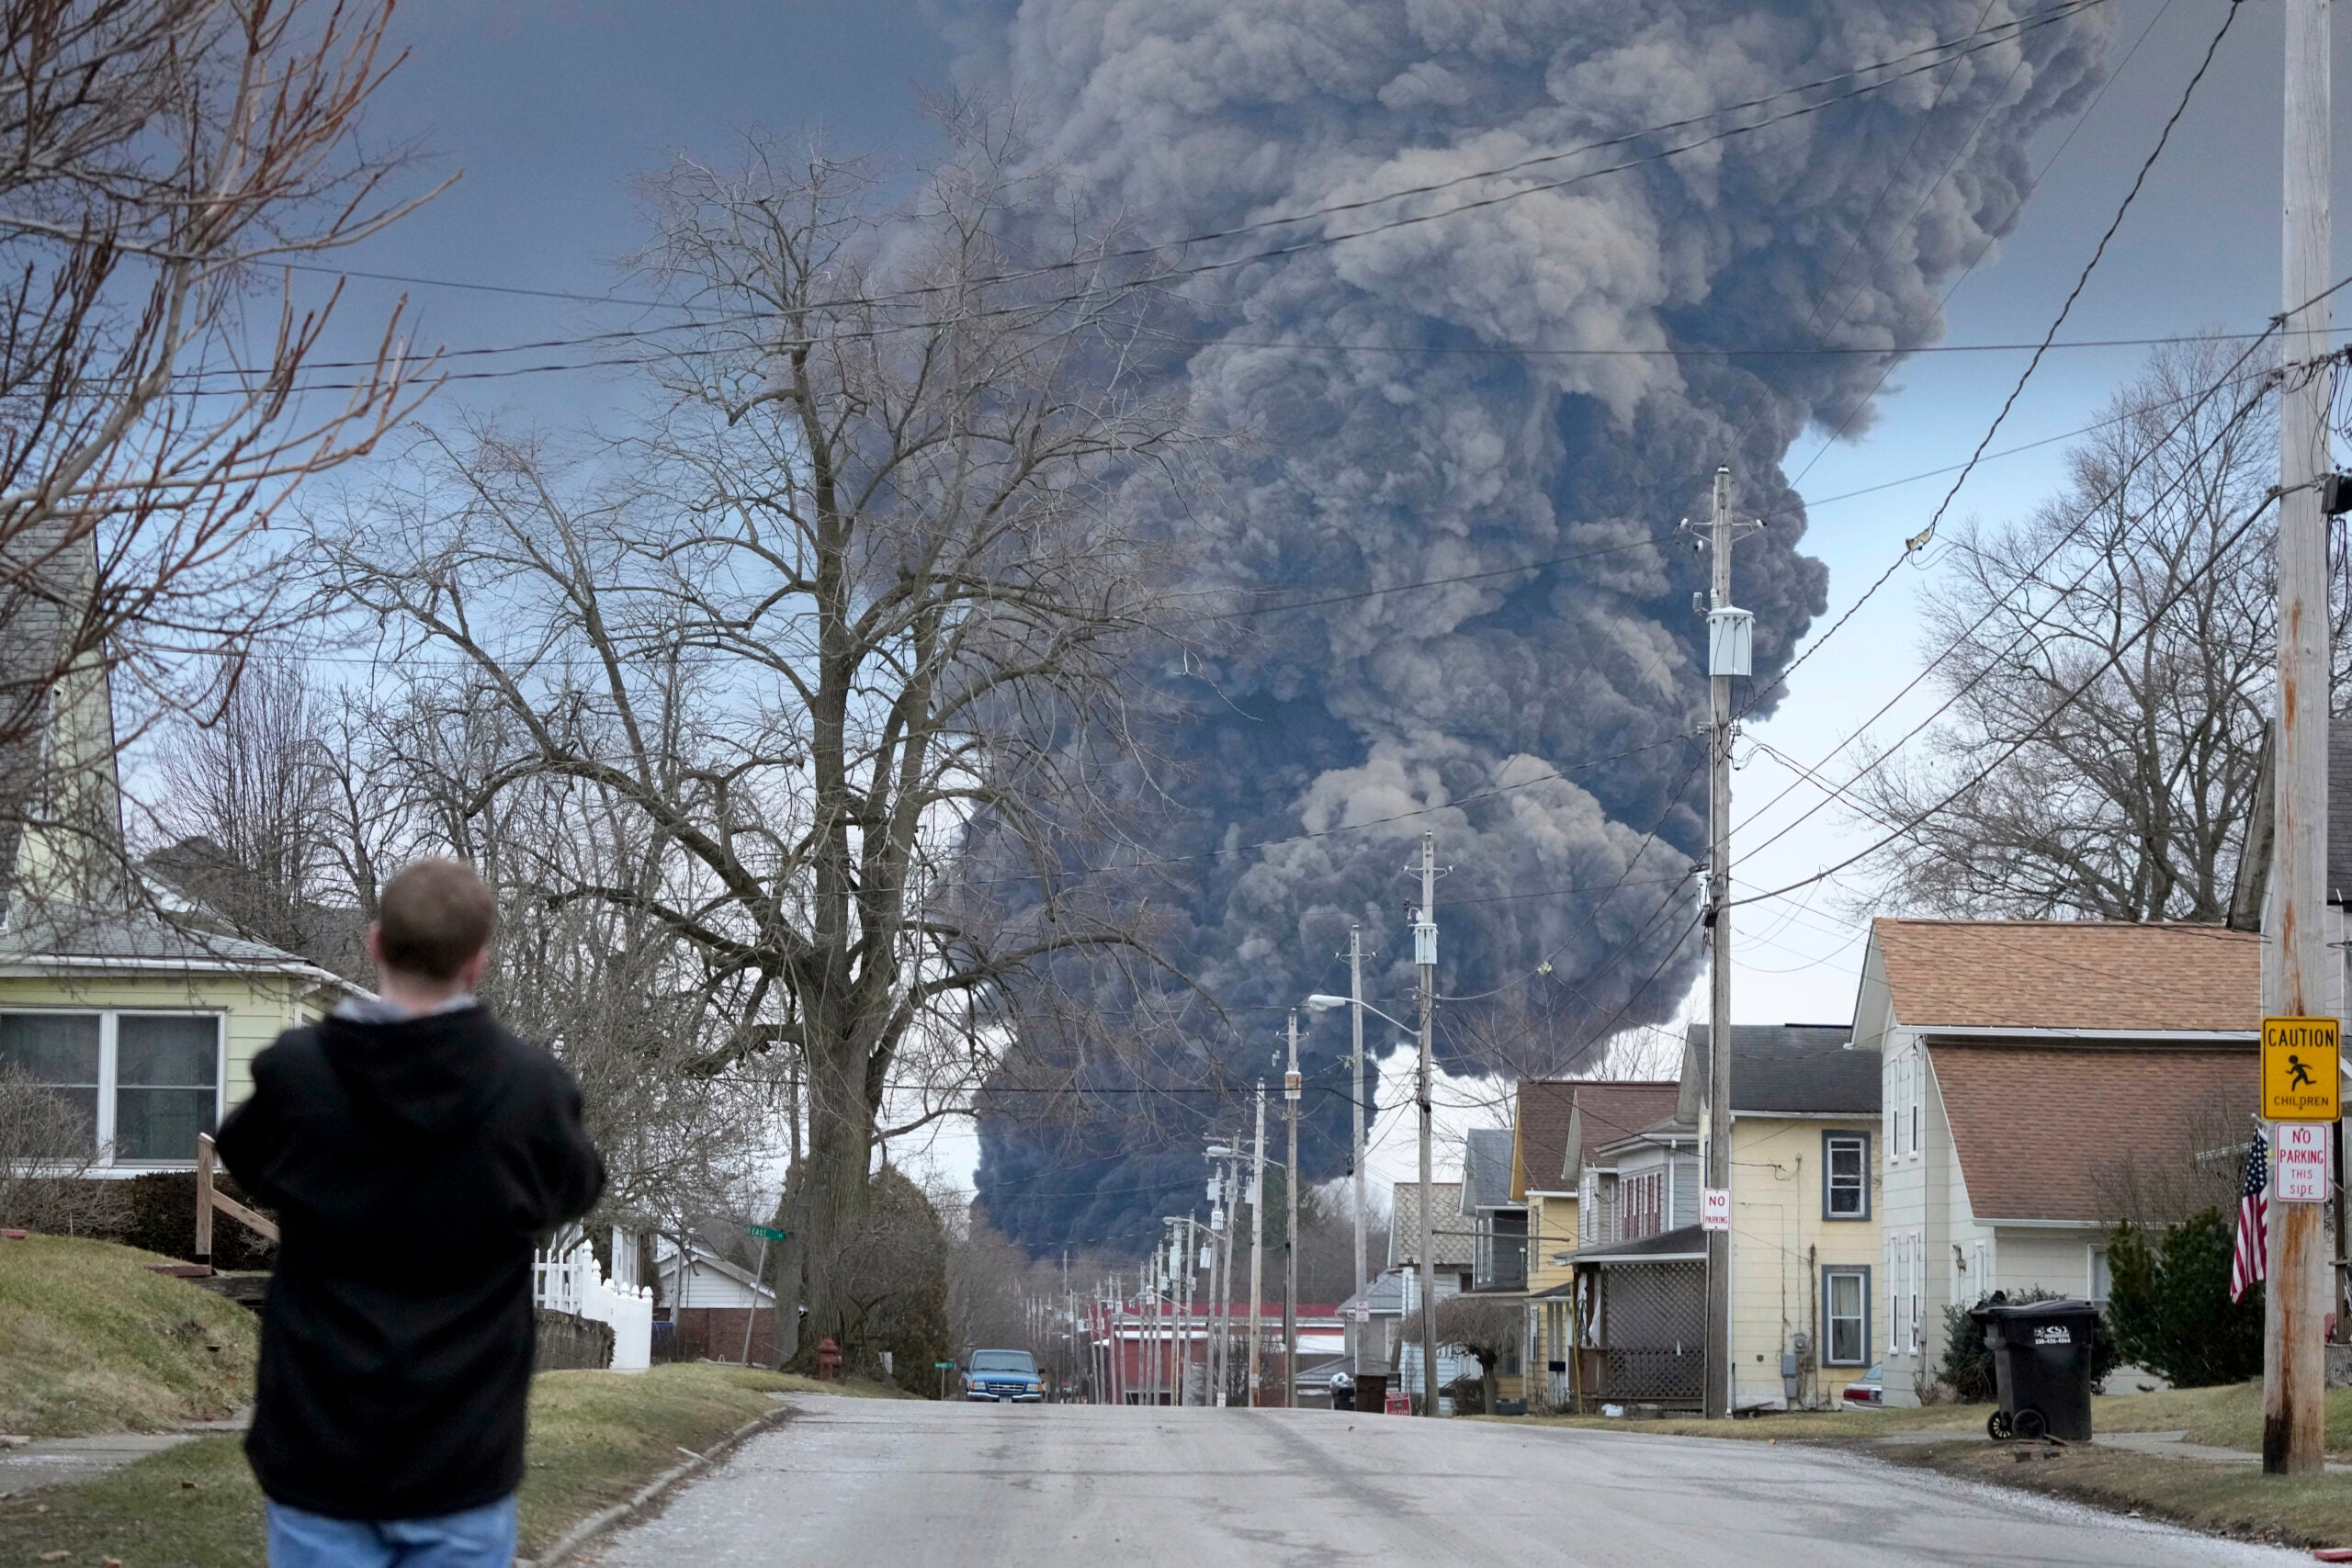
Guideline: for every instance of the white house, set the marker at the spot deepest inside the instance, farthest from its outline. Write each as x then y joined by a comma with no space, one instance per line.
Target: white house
2029,1070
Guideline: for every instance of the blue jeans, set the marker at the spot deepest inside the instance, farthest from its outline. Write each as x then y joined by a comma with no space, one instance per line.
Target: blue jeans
479,1537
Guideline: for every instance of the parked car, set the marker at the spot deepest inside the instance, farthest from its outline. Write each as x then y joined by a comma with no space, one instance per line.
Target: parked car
1005,1377
1869,1389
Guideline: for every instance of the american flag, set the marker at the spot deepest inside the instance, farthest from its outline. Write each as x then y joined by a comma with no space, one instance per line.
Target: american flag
2250,1260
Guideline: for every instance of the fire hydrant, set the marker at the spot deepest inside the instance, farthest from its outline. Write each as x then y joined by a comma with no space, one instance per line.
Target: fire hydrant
829,1360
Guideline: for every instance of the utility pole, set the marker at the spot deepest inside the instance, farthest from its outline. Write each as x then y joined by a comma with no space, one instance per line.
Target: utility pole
1729,640
1184,1378
1425,956
1257,1240
1355,1148
1290,1234
2293,971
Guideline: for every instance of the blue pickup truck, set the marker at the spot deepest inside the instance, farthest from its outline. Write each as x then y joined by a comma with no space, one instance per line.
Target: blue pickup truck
1005,1377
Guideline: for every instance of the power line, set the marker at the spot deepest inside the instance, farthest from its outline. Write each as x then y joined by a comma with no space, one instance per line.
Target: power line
2081,281
1964,44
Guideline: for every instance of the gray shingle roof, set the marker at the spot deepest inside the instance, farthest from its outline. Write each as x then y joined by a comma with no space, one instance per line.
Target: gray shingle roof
1486,1170
35,931
1665,1243
1450,1243
1790,1069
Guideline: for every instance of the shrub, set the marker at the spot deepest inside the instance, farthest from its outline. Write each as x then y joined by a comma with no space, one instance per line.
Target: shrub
2170,1302
1967,1369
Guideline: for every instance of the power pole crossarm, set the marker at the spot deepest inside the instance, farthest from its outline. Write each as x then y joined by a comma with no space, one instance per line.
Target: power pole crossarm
2294,952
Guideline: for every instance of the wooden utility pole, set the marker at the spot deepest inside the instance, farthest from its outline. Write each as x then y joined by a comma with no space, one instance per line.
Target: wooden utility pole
1728,644
1290,1232
1257,1241
2295,958
1425,958
1355,1148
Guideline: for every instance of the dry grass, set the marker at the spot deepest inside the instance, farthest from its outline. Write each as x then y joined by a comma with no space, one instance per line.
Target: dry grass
597,1438
93,1341
2224,1499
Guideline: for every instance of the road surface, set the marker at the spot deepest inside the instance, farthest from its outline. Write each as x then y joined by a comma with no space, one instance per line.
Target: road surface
888,1484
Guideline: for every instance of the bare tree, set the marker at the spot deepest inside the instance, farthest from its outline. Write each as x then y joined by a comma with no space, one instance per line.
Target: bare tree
47,1147
2142,585
1486,1326
863,587
163,153
248,814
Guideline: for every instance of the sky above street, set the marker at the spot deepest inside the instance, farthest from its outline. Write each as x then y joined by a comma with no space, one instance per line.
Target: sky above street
546,110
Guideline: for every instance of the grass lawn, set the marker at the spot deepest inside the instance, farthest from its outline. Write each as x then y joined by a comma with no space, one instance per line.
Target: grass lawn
2228,1416
2234,1500
93,1341
596,1437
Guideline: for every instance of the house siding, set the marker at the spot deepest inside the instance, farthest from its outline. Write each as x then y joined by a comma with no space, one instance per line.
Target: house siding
1915,1180
255,1009
1779,1243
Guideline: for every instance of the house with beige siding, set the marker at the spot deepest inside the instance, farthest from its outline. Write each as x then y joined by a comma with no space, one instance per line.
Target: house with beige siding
1805,1200
138,1014
2033,1072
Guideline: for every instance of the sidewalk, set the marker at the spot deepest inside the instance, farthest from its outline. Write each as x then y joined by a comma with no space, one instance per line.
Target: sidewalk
31,1464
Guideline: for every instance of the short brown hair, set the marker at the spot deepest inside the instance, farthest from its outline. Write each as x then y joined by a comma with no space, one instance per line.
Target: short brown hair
433,916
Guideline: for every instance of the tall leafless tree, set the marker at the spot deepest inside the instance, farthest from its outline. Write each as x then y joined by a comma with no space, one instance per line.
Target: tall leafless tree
153,410
2142,585
862,587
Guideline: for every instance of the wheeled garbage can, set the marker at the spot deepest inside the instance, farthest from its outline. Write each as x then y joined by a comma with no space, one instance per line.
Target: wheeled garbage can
2042,1365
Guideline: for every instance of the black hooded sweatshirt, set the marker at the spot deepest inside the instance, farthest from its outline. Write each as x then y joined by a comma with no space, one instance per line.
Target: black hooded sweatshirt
411,1165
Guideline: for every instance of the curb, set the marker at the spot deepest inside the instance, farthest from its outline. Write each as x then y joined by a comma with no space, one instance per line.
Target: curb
587,1530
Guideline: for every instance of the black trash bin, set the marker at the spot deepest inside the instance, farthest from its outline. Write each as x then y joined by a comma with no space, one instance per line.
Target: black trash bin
2042,1363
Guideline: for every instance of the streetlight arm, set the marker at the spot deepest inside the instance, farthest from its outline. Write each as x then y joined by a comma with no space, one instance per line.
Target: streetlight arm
1320,1003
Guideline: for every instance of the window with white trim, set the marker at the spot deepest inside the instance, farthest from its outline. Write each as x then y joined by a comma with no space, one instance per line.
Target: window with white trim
1845,1316
1895,1291
1845,1176
1917,1275
143,1085
2100,1279
1918,1097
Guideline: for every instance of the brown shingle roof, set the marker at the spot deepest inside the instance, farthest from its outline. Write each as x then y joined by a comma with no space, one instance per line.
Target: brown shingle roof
1611,1113
1544,1108
2044,1130
2071,975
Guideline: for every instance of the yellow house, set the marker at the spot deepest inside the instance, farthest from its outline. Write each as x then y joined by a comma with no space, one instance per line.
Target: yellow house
1807,1197
1558,1122
120,1003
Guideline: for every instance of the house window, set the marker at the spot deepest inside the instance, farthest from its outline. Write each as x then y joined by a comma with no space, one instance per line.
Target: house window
1895,1291
1918,1096
143,1084
1917,1270
1846,1175
2099,1279
1642,1200
1846,1320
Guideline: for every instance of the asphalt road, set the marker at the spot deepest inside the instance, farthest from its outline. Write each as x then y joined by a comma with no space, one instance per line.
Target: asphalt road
875,1483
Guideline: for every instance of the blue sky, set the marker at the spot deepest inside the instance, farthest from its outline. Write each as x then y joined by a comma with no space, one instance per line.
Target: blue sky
548,108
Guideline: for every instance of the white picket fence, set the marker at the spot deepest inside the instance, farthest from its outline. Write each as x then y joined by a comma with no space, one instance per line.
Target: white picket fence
566,1277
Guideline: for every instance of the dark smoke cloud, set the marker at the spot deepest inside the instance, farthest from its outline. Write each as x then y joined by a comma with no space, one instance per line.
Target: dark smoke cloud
1375,468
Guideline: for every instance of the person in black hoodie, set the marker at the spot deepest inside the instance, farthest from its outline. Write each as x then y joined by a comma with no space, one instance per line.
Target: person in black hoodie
414,1149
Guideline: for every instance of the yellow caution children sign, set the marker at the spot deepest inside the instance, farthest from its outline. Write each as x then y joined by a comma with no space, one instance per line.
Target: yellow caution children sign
2300,1068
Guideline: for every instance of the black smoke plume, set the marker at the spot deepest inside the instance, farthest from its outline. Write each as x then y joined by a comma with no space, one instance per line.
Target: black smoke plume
1478,398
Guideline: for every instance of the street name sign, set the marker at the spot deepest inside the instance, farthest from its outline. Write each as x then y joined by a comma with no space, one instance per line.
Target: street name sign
766,1233
1714,1208
2301,1069
2299,1160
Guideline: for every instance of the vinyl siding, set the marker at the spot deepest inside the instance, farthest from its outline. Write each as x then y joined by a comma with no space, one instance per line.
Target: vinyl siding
256,1008
1779,1243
